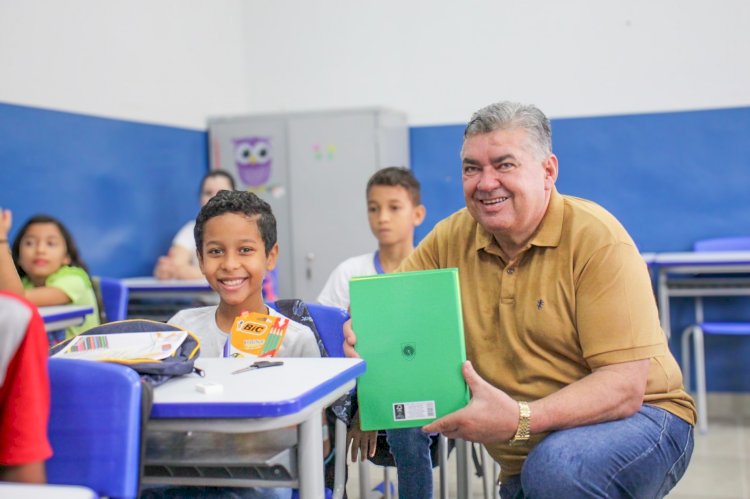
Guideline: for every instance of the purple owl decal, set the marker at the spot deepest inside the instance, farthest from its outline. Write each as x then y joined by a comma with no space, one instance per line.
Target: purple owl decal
252,155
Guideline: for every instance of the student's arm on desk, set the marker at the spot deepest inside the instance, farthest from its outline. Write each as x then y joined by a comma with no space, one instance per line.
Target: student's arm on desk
610,392
177,264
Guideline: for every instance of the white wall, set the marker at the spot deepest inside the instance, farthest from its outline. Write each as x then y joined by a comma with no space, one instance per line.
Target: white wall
180,61
162,61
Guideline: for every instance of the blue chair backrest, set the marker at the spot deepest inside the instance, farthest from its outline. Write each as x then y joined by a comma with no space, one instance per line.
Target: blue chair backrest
330,324
94,428
723,244
114,298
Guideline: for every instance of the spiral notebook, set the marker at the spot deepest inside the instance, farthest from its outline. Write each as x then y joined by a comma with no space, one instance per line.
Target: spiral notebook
410,332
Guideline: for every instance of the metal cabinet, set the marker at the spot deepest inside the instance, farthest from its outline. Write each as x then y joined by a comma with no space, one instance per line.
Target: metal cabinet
312,168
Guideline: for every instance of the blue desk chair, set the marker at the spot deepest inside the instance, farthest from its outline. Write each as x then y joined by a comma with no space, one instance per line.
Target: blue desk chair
113,298
701,328
94,427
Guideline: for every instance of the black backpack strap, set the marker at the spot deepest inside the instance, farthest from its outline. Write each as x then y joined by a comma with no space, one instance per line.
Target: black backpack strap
296,310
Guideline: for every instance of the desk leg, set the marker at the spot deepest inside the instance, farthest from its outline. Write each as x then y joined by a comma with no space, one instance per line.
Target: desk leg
310,457
663,293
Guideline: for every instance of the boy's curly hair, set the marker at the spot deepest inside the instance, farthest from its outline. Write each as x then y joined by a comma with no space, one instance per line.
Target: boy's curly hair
242,203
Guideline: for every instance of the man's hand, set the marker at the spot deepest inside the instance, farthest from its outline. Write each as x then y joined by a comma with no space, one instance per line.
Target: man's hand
363,443
350,339
491,415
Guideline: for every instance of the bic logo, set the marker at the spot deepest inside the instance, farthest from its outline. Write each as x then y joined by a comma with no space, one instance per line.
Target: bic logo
408,350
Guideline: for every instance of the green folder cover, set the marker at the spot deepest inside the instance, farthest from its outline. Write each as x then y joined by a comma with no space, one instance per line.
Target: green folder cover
410,331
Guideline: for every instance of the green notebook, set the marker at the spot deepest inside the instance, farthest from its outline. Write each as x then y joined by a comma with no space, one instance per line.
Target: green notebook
410,331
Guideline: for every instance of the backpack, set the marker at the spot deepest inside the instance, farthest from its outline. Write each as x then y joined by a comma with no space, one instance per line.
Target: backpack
154,372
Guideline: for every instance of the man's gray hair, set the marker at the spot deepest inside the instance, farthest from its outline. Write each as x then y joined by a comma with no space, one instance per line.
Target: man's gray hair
508,115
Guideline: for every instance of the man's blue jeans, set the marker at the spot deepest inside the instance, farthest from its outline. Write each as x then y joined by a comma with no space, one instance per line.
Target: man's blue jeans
642,456
410,448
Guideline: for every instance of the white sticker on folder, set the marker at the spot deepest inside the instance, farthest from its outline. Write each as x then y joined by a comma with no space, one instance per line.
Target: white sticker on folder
408,411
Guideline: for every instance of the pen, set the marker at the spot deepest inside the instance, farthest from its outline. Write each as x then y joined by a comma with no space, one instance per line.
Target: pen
259,365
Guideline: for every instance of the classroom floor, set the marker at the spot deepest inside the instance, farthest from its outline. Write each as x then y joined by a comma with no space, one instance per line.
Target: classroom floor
719,468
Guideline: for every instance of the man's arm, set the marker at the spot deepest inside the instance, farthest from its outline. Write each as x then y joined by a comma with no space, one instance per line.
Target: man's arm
611,392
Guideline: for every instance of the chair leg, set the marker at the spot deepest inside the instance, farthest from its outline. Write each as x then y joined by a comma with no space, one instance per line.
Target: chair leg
339,484
364,479
685,341
443,465
700,378
462,468
387,482
489,478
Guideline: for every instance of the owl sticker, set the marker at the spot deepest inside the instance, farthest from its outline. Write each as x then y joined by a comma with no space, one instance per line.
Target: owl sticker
252,155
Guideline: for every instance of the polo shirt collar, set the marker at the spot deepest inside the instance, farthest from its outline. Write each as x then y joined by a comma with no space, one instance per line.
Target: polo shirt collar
548,234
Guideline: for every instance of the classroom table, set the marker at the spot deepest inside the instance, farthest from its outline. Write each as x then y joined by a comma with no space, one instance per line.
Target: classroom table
45,491
58,317
271,416
150,287
730,267
157,299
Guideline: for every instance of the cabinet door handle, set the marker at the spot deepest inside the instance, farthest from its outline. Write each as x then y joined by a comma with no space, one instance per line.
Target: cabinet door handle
308,268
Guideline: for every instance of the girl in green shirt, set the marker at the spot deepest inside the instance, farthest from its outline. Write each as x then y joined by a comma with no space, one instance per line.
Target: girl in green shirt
51,270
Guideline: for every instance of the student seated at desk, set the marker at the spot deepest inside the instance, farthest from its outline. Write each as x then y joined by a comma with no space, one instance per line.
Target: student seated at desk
24,390
181,261
394,210
45,258
235,234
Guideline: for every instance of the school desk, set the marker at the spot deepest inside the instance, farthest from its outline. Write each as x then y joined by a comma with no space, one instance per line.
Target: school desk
58,317
156,299
690,274
46,491
261,428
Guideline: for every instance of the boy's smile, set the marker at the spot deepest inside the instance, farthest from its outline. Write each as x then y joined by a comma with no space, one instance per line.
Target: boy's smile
234,261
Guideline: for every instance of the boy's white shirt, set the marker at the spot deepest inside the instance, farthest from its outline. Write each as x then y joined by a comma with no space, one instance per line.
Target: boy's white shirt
299,340
335,293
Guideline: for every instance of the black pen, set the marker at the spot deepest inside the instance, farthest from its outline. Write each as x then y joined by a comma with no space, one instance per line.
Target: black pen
260,365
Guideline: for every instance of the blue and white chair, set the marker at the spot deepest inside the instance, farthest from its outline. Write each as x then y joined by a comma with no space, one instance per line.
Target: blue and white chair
95,427
697,331
114,297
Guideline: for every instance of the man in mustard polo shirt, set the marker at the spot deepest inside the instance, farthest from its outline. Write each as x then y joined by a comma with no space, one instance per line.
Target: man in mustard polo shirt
574,390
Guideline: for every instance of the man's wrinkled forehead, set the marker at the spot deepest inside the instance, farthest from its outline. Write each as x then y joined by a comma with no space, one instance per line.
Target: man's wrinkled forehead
527,143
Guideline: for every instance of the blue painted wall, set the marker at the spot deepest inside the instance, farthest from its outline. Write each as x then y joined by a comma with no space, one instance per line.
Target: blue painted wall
122,188
125,188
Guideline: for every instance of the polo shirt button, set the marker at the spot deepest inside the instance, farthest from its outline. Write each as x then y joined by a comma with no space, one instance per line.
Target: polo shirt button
511,270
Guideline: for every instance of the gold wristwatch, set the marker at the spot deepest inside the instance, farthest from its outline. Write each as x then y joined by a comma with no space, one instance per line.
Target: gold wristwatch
524,424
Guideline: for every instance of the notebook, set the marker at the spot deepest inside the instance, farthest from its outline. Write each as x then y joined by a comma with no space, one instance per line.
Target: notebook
410,332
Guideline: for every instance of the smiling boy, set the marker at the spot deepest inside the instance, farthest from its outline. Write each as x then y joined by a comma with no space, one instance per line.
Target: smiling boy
235,235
